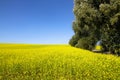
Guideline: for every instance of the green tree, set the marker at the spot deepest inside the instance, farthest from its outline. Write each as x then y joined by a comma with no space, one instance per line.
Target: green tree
96,20
111,26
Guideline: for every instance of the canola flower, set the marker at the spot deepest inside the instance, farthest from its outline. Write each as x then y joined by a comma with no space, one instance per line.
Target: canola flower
55,62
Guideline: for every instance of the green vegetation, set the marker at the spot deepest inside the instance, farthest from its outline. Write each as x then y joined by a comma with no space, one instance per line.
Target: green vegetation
97,20
55,62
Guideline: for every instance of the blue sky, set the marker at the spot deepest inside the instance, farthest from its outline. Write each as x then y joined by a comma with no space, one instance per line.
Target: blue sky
36,21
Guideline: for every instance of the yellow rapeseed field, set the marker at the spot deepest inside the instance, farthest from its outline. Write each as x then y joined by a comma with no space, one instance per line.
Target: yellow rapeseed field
55,62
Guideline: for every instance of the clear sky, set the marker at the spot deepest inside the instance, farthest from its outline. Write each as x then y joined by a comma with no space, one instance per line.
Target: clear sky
36,21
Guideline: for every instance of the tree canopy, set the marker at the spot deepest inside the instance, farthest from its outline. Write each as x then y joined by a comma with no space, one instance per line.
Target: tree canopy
96,20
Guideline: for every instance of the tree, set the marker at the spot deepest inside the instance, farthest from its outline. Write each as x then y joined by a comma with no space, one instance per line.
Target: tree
111,26
96,20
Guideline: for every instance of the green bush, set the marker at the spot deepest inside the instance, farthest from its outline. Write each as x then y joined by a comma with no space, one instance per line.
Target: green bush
86,43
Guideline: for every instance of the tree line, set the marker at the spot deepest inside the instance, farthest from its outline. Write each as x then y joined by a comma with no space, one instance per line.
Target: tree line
96,20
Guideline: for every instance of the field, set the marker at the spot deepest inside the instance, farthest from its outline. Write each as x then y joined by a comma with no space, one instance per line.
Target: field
55,62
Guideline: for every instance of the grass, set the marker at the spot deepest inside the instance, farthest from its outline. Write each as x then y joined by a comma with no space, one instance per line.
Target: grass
55,62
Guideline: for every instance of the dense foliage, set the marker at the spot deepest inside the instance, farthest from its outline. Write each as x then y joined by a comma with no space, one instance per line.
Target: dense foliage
97,20
55,62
